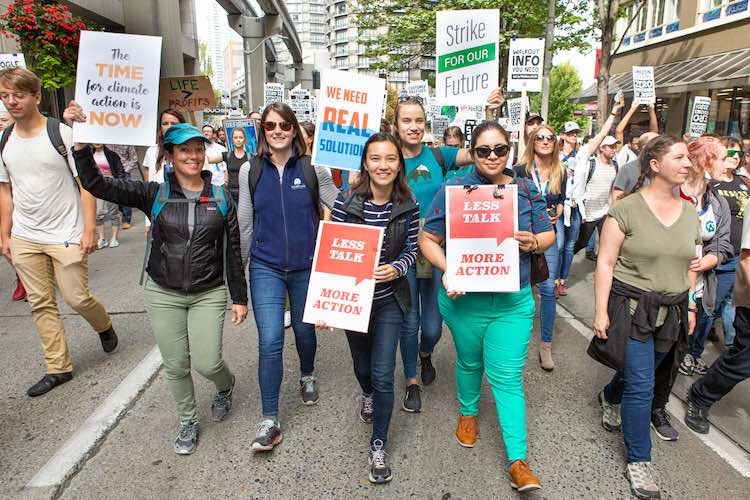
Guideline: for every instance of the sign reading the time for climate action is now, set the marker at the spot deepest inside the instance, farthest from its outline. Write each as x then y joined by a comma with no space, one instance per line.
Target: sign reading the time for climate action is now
349,111
699,116
341,285
481,253
525,61
467,55
186,93
644,91
8,61
272,92
117,84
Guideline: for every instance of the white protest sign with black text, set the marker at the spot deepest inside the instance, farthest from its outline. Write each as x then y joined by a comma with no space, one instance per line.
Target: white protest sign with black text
9,61
525,62
644,91
272,92
699,116
301,103
418,88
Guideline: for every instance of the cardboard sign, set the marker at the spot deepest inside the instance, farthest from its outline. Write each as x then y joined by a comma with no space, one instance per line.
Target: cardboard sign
418,88
481,253
439,124
245,128
186,93
699,116
644,91
349,112
467,55
525,62
117,82
301,103
272,92
9,61
341,285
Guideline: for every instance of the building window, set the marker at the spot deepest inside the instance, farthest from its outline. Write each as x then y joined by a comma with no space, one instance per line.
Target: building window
711,10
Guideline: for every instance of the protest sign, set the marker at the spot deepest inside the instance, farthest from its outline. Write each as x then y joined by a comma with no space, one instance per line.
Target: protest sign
469,126
245,128
341,285
349,112
439,124
514,114
186,93
272,92
467,55
699,116
481,253
301,103
525,61
644,91
8,61
117,82
431,107
419,89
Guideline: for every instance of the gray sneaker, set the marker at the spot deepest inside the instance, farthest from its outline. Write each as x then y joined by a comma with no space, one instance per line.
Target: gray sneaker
267,436
308,389
610,414
187,439
699,366
222,403
380,473
367,409
643,480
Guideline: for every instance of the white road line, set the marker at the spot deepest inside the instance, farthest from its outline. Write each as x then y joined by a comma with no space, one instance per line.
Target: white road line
82,445
715,439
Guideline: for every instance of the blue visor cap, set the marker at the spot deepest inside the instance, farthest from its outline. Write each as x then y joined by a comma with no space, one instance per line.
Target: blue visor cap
180,133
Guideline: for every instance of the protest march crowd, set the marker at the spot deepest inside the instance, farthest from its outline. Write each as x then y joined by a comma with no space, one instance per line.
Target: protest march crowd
662,216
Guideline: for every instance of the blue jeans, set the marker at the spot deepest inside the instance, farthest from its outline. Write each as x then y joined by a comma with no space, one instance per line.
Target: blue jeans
569,237
127,212
634,389
547,295
724,288
425,315
269,288
374,359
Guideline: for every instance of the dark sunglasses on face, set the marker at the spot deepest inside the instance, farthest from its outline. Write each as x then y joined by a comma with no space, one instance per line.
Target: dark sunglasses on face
484,151
271,126
733,152
542,138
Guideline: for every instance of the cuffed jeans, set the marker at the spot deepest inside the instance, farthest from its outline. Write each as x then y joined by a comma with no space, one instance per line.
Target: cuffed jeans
269,288
547,311
374,359
569,237
424,315
724,287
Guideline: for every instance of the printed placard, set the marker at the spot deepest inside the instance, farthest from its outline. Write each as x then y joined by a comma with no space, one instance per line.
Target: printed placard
341,285
349,111
301,103
439,124
525,62
644,91
186,93
418,88
469,126
481,253
514,114
117,84
272,92
9,61
699,116
245,129
467,49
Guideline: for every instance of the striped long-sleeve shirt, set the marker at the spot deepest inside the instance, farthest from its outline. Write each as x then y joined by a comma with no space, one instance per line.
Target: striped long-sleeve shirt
379,215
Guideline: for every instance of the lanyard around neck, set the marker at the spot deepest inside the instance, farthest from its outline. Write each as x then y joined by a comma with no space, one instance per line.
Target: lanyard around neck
538,179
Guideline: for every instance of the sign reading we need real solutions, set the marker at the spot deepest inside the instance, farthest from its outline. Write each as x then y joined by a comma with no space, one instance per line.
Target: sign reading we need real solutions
117,84
349,111
467,55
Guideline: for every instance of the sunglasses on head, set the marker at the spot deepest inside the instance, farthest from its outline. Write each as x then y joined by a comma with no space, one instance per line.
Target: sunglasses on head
542,138
271,126
411,98
733,152
484,151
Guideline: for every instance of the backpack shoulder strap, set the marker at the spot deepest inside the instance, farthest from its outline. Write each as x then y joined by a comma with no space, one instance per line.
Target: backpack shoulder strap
162,195
439,158
6,135
53,132
616,165
311,180
220,200
592,167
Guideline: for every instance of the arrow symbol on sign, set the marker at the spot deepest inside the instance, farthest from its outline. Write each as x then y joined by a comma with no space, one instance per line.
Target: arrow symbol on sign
186,94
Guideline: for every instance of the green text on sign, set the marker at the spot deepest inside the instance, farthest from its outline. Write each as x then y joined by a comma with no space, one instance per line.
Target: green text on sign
466,57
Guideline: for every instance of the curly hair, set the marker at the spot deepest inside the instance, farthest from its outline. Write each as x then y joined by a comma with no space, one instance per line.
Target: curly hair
704,151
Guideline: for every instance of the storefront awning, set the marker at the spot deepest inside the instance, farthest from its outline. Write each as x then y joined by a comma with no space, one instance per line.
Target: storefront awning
715,71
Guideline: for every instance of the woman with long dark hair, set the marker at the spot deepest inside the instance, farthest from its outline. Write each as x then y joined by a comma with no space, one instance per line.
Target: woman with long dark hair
155,161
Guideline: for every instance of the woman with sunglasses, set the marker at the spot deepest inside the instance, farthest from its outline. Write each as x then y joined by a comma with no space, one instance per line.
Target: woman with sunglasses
279,212
491,331
541,165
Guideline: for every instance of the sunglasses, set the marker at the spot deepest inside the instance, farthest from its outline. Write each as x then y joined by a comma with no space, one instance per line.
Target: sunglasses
542,138
271,126
484,151
411,98
733,152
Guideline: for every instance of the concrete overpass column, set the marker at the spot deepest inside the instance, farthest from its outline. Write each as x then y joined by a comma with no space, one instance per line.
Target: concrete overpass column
158,17
303,75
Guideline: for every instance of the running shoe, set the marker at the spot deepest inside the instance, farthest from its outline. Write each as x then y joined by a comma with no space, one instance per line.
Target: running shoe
308,389
113,243
366,409
642,479
611,420
687,365
696,418
661,424
222,403
187,439
427,370
699,366
268,436
102,244
380,473
412,399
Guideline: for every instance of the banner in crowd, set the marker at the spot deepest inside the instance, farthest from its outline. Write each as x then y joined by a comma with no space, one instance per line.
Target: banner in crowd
431,107
186,93
469,126
349,111
699,116
341,285
8,61
439,124
244,127
272,92
117,84
467,55
525,62
481,253
418,88
644,91
301,103
514,114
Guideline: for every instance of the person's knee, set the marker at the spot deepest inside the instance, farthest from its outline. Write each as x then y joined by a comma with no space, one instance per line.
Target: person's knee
177,367
271,344
79,300
382,380
207,366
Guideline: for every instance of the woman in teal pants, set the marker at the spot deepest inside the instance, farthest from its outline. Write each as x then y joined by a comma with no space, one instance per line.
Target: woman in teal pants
491,331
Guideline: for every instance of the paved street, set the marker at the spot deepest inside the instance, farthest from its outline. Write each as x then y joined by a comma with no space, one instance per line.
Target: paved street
324,450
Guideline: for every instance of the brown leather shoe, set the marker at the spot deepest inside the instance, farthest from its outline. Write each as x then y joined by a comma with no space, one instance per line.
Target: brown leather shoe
521,477
466,431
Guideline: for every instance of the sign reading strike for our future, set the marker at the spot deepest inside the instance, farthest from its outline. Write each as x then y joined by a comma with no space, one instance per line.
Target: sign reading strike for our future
644,91
481,252
341,285
525,61
117,84
467,55
186,93
349,111
699,116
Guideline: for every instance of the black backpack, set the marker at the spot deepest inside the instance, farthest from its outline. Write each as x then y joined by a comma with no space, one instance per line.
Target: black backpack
592,167
53,132
308,172
439,159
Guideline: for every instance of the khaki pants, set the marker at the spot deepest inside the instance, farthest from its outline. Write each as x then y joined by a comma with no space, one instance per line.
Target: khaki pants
39,267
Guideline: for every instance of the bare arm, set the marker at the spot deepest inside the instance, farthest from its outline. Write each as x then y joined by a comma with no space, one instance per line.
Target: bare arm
609,250
6,217
463,158
430,245
594,143
88,207
620,130
653,122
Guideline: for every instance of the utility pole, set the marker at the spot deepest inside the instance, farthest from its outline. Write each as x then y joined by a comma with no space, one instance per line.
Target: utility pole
548,40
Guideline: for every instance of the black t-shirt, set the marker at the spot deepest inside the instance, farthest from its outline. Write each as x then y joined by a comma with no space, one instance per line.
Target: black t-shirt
736,193
233,170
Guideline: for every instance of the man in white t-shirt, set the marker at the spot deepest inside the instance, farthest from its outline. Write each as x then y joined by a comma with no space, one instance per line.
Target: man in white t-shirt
47,226
218,170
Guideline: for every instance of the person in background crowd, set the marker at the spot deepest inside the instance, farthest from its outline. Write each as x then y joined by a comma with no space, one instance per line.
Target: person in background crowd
255,115
5,120
533,122
154,162
48,226
629,152
569,222
279,223
385,126
214,150
627,174
129,159
454,137
20,292
491,331
541,165
641,298
221,135
234,160
106,212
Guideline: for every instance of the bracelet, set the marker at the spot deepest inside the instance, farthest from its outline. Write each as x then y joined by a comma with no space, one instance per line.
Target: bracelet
536,245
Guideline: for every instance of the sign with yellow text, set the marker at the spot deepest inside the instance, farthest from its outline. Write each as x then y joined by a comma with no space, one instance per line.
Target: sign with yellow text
186,93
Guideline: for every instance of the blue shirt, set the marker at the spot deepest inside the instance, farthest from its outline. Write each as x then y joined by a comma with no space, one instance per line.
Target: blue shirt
425,176
532,215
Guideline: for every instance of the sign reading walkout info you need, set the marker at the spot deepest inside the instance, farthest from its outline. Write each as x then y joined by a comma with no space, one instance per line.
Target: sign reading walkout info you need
644,91
341,283
9,61
525,62
467,55
699,116
349,111
481,253
186,93
117,84
272,92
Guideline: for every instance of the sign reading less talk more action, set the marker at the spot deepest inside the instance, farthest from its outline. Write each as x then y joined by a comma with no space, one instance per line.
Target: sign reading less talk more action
525,61
117,84
467,55
186,93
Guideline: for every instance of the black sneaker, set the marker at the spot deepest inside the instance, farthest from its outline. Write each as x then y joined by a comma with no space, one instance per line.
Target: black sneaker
380,473
412,399
696,418
187,439
267,436
427,370
687,365
108,339
222,403
662,426
49,382
308,389
366,409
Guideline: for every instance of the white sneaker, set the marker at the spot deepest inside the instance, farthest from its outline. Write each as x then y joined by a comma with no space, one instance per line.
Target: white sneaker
102,244
287,319
114,243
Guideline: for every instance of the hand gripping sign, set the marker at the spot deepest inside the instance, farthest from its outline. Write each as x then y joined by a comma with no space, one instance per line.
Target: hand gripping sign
341,285
481,253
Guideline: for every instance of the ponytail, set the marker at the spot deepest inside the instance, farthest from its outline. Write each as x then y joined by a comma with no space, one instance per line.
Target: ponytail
655,149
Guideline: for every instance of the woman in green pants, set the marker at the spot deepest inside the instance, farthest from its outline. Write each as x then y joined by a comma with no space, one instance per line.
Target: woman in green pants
491,331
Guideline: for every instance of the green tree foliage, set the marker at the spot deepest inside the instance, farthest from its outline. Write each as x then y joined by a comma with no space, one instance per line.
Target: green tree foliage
564,84
204,60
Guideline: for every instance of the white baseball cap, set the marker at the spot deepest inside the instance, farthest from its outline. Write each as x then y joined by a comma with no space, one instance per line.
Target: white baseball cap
571,127
609,141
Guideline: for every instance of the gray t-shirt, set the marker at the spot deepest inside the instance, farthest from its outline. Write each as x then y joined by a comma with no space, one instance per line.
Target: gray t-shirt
191,195
627,176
